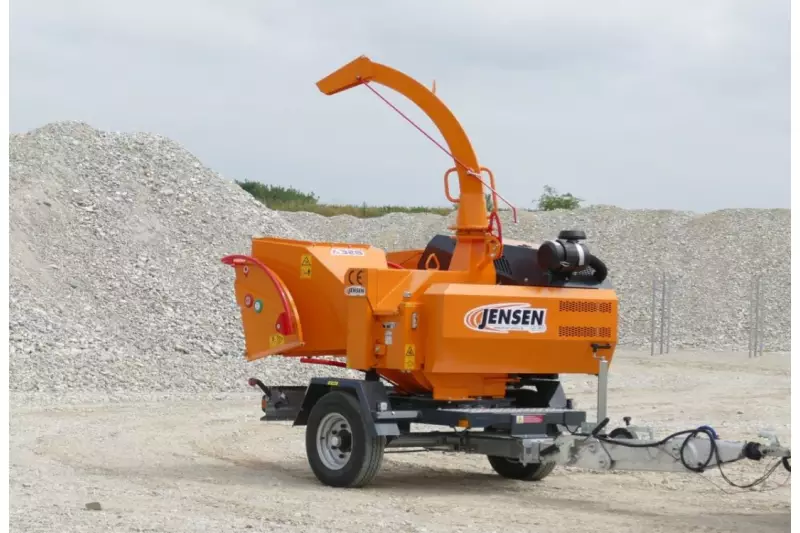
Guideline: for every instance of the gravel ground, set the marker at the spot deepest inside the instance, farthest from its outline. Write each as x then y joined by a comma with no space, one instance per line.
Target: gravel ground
207,464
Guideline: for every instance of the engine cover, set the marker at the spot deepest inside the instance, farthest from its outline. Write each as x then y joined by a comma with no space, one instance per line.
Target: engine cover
519,265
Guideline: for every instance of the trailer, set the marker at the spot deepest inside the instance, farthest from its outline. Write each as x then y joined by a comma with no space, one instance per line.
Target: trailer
349,423
470,334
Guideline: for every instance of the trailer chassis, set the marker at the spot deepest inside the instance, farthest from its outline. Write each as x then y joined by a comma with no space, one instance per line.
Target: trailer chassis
350,423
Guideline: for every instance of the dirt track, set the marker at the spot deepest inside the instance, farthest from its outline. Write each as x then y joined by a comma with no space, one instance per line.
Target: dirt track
210,465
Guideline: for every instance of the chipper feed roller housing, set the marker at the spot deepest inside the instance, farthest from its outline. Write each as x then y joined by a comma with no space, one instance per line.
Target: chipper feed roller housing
470,333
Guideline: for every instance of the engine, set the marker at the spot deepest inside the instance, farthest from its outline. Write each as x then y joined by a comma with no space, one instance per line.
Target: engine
560,262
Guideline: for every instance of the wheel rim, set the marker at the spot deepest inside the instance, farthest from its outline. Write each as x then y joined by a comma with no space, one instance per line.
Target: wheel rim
334,441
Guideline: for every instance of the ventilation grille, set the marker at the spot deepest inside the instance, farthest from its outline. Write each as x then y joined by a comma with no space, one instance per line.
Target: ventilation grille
502,266
571,306
584,331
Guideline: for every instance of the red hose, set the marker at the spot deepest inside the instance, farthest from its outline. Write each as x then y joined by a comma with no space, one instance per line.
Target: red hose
326,362
494,220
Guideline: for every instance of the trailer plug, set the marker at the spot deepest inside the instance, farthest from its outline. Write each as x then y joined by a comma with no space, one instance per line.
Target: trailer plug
752,450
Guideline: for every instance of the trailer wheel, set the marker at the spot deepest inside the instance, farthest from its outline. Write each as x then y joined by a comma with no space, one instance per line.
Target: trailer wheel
511,469
338,446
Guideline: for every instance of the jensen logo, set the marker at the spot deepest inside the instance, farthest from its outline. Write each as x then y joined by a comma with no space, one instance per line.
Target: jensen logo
502,318
355,290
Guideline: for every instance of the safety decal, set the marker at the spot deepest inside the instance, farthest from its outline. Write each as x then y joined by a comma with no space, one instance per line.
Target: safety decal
352,252
305,266
276,340
248,300
530,419
506,317
410,358
258,306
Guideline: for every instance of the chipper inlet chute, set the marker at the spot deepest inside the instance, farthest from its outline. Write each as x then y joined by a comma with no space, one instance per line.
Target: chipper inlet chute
471,333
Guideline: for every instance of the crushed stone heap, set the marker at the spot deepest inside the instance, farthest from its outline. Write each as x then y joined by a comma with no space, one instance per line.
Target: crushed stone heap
117,285
116,280
711,259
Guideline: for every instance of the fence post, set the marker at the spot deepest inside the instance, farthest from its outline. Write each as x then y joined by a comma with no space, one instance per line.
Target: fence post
665,313
750,321
669,311
663,304
761,315
755,341
653,319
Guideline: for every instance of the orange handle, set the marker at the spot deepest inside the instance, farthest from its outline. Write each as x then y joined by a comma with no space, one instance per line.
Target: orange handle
447,185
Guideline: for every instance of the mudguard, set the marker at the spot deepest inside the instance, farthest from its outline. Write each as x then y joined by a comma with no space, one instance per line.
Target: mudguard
372,398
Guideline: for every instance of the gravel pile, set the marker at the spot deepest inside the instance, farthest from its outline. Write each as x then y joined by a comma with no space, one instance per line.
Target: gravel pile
711,260
116,283
116,280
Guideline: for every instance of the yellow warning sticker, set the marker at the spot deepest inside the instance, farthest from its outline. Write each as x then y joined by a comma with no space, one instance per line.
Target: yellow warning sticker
276,340
305,266
410,359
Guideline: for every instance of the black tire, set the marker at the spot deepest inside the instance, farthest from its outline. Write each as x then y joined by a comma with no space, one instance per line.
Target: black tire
361,455
511,469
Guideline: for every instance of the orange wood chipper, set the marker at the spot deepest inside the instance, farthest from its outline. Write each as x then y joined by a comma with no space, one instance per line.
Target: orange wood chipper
471,332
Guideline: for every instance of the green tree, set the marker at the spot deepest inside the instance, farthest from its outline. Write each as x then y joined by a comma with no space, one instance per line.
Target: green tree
550,200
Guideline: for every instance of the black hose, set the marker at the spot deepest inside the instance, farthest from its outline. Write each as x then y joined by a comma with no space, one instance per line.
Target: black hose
600,269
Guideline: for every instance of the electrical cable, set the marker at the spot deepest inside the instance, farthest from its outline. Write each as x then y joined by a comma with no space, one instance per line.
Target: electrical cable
713,454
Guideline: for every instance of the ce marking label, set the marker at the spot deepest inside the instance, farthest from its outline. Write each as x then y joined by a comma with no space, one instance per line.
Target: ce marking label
355,277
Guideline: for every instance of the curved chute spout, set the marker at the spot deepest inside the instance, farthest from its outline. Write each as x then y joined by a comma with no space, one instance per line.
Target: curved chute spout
472,215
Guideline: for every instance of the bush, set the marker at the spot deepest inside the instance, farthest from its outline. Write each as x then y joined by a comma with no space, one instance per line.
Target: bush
550,200
271,195
290,199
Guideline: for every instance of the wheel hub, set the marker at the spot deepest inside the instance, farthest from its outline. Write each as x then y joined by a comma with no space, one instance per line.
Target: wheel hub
334,441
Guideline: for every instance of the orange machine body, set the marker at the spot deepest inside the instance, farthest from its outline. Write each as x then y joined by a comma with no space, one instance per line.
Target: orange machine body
453,333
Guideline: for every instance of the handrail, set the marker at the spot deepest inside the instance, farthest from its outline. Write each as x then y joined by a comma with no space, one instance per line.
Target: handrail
236,259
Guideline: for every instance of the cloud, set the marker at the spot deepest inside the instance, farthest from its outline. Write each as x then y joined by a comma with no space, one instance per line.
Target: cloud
648,104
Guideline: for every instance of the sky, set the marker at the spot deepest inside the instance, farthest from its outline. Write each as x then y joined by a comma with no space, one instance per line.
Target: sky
657,105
